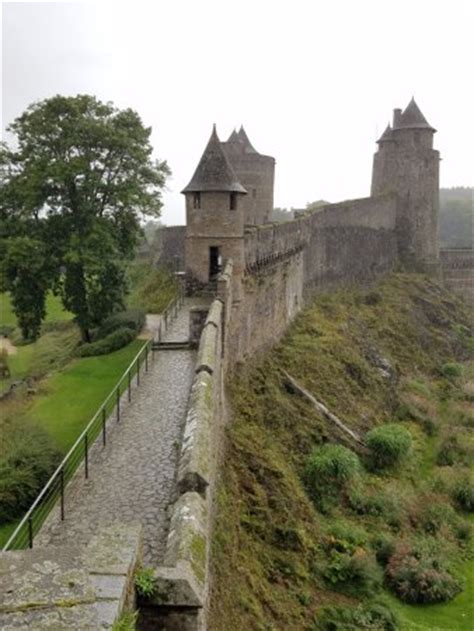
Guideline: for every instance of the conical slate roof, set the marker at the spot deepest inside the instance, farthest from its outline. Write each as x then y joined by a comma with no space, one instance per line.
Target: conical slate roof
244,139
387,134
412,118
214,172
234,137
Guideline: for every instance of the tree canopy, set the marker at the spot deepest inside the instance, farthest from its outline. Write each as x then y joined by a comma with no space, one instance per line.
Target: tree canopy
78,181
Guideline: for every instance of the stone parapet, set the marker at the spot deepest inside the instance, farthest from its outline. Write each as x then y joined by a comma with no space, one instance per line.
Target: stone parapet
70,588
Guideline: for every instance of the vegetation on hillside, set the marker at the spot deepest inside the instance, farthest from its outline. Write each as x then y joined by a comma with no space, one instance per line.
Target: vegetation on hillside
316,531
151,288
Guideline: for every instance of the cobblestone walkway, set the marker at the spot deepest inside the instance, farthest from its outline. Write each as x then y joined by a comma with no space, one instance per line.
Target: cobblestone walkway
132,479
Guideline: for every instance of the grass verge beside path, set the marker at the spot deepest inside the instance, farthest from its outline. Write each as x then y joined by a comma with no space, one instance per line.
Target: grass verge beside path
70,398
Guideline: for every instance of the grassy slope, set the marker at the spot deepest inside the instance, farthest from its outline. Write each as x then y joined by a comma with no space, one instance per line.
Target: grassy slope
267,547
151,289
68,399
54,310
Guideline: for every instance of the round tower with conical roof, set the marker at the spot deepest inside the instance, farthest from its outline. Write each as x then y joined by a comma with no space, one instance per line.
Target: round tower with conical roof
215,216
407,164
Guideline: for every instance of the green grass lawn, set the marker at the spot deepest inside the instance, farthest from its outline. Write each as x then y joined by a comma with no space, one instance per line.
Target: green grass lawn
54,310
456,615
6,530
68,399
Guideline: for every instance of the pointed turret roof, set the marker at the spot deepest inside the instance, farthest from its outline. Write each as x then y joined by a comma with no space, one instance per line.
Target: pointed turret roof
387,134
214,171
244,139
412,118
234,137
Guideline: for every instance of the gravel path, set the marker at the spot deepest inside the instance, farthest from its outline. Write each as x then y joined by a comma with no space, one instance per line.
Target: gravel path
133,478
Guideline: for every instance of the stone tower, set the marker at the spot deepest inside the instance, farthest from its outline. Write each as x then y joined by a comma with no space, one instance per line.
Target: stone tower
407,164
256,172
215,216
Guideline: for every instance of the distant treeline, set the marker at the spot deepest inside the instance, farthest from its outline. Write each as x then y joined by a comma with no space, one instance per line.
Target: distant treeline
456,226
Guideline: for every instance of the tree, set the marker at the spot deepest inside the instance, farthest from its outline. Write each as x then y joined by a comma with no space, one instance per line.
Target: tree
82,177
25,276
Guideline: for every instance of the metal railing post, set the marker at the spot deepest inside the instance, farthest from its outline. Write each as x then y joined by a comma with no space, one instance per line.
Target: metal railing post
117,395
104,437
80,449
86,455
129,386
61,486
30,532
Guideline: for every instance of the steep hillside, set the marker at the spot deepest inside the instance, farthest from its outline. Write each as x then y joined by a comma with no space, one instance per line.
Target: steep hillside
318,531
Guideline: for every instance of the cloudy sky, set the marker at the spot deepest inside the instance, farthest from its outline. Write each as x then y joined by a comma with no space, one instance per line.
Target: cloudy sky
314,82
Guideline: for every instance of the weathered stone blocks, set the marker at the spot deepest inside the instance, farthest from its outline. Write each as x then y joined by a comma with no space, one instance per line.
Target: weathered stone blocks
70,588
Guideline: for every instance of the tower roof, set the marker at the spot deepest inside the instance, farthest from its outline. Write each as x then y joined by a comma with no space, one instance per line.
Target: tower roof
244,139
412,118
387,134
214,171
234,137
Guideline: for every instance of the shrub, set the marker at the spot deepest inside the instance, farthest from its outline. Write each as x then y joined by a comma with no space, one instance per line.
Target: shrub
450,452
384,547
377,505
451,369
133,319
389,444
27,459
432,516
349,567
419,578
347,534
353,573
329,469
463,492
114,341
375,616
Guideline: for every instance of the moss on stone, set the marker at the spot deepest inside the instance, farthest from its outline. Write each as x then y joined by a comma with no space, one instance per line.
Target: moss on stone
356,353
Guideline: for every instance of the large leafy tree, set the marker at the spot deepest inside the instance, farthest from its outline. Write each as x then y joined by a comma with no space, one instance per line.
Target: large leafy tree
80,179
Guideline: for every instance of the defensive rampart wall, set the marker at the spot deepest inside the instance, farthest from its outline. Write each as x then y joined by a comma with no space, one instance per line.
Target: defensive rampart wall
457,266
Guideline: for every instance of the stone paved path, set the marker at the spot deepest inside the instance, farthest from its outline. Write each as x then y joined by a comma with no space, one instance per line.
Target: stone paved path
132,479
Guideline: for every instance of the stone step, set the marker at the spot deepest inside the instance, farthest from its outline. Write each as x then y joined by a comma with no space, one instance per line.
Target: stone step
171,346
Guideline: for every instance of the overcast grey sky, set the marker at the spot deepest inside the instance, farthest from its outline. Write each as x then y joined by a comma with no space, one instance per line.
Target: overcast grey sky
312,82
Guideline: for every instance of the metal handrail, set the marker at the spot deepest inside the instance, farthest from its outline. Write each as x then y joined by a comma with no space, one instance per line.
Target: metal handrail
84,442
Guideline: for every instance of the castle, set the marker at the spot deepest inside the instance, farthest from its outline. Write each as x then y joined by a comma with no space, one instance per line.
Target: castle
231,191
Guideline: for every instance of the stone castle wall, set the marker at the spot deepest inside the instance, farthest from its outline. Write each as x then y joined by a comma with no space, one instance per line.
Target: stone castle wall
457,265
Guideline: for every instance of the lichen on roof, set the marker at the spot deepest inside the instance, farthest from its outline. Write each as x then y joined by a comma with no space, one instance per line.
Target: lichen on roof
214,171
